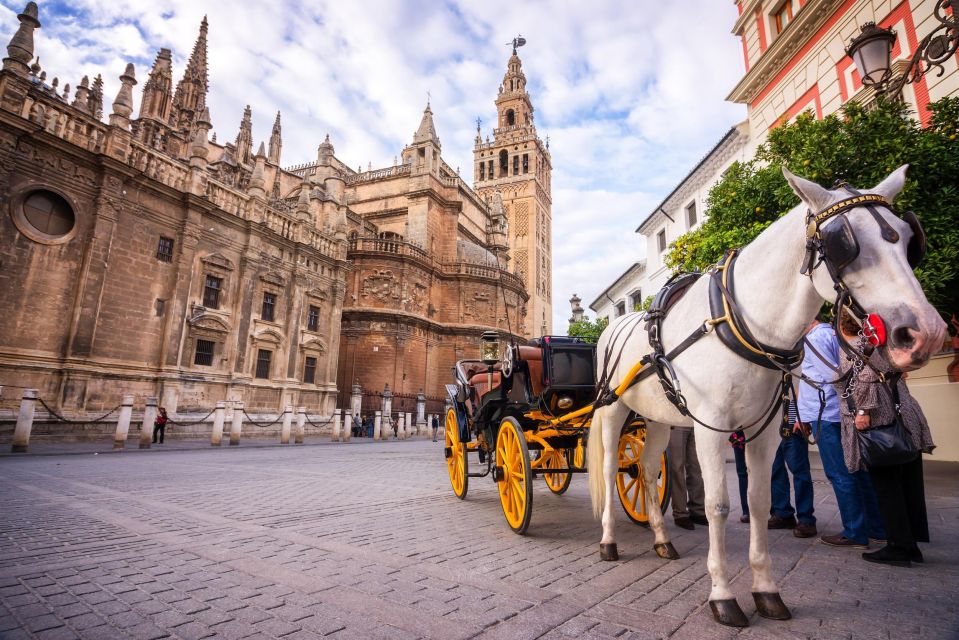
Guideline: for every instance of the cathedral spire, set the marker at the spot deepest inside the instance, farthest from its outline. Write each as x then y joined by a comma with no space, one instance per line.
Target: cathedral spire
426,131
96,98
157,92
244,139
20,49
276,142
190,97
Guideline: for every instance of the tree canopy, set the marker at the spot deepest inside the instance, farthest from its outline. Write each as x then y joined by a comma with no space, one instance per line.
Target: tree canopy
859,146
587,329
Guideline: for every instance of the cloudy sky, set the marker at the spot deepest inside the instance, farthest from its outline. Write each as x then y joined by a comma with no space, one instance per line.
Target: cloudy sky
630,92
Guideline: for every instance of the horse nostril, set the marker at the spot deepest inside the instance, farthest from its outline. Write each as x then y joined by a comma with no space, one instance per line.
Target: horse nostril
903,338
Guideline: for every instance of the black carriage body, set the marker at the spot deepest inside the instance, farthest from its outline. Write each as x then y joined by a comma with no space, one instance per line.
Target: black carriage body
548,372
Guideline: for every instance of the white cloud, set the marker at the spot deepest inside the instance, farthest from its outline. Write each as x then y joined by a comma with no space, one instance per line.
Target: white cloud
630,93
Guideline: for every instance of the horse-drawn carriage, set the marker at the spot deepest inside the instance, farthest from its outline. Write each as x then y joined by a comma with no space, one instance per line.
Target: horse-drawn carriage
528,415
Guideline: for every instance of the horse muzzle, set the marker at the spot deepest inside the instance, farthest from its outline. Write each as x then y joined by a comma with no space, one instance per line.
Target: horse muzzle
913,338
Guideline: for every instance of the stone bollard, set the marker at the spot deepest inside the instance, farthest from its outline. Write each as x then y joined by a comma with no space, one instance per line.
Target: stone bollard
410,427
336,424
123,423
216,438
21,434
146,427
287,424
300,425
348,425
401,429
236,429
421,413
377,424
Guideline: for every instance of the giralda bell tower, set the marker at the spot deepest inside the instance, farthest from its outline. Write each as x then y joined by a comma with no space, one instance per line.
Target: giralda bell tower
516,163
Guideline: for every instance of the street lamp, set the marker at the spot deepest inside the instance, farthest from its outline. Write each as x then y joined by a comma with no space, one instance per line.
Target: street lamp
871,50
489,354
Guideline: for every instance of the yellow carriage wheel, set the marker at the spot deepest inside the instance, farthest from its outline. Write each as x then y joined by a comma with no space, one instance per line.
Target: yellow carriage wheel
558,483
513,475
456,460
630,484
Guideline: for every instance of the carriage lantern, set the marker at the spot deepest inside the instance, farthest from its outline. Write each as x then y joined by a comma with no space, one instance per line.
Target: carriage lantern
489,348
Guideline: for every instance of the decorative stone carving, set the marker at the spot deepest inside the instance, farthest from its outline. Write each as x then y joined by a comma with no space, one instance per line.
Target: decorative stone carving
382,285
218,260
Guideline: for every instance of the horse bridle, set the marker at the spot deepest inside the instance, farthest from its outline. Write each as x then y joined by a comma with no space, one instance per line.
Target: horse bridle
837,247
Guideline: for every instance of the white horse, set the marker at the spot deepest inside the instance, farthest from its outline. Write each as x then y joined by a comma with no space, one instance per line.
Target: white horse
726,391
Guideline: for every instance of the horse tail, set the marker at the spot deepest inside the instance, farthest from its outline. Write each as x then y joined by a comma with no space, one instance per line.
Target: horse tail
594,463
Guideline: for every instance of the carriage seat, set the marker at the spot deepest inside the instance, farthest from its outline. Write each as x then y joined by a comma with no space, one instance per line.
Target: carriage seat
533,357
474,374
480,382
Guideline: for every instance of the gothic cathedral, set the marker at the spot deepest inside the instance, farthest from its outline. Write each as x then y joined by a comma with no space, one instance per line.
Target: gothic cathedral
516,164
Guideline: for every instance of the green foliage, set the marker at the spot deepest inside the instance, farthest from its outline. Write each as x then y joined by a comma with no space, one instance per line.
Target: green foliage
860,147
587,329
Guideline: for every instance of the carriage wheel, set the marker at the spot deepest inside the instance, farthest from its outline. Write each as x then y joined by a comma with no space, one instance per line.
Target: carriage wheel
558,483
456,460
630,484
513,476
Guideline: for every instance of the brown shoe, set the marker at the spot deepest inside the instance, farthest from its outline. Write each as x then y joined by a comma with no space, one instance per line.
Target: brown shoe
804,530
840,540
775,522
684,523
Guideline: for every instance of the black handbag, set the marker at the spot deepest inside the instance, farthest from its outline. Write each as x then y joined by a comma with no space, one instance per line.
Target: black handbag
889,444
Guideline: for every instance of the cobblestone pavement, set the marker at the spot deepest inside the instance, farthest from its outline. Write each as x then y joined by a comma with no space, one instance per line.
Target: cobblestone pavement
366,540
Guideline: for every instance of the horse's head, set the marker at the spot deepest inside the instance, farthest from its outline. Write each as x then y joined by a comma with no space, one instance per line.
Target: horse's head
872,252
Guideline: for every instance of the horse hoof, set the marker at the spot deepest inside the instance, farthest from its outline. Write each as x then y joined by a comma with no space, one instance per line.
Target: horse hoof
727,612
666,551
608,552
771,605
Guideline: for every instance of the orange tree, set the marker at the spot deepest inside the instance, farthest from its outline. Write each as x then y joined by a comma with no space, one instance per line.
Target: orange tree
860,147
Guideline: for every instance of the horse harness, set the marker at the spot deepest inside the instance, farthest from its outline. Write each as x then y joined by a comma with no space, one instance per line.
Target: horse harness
835,245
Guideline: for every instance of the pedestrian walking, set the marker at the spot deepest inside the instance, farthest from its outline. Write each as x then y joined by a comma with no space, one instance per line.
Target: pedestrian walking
738,442
436,425
159,425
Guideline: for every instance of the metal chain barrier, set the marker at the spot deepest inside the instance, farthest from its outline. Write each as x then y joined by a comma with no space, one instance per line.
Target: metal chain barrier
191,424
322,424
261,424
68,421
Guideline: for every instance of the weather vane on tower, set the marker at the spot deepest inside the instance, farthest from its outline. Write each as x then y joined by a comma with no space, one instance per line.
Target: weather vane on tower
518,41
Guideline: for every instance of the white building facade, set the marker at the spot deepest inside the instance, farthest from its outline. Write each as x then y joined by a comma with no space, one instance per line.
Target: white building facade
624,295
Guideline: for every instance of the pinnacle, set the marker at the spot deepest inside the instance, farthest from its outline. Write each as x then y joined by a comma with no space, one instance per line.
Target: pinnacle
261,152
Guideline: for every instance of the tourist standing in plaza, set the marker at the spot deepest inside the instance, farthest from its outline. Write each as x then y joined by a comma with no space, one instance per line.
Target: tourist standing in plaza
900,488
436,426
688,493
159,425
854,493
793,453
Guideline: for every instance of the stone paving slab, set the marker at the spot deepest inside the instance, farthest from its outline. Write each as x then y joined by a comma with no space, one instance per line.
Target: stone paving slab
360,541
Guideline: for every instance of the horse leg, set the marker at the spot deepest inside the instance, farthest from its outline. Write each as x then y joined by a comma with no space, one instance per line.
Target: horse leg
613,418
657,437
759,456
711,449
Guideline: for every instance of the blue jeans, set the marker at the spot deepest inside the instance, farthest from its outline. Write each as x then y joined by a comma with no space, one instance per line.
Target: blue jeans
855,496
793,453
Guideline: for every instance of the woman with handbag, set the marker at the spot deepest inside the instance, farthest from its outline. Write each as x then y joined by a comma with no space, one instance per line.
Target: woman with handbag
885,432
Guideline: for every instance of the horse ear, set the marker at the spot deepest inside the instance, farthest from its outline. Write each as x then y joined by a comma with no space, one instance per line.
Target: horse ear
812,194
892,185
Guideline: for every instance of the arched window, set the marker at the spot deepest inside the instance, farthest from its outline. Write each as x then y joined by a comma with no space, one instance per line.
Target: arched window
510,118
503,163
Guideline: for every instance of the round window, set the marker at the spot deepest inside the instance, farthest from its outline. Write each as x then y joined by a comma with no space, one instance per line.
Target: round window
48,214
